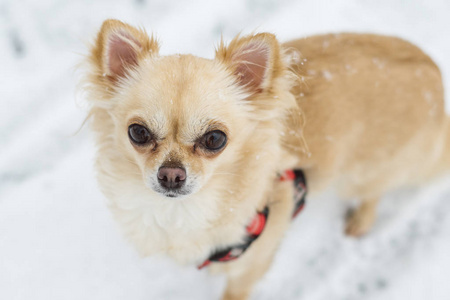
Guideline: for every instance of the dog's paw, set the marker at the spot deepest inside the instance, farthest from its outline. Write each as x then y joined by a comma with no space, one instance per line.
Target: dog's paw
360,220
228,296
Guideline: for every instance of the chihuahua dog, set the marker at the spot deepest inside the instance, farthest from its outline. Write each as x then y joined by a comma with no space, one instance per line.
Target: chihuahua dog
190,149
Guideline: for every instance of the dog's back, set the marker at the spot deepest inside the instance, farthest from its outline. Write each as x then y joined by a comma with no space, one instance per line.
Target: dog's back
374,112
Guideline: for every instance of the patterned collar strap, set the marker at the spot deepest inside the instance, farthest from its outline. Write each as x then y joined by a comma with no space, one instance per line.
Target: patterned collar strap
256,226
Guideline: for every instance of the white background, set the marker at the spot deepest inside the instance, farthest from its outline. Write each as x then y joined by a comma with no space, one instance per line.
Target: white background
58,240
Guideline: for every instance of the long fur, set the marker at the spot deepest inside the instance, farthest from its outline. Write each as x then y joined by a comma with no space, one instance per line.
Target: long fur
360,113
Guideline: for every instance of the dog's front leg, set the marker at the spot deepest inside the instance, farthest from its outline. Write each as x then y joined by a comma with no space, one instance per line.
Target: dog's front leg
244,272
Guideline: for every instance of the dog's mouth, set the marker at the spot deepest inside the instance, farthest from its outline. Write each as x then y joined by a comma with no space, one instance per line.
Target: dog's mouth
172,193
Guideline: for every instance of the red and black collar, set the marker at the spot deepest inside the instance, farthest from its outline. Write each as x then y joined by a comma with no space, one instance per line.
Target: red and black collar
256,226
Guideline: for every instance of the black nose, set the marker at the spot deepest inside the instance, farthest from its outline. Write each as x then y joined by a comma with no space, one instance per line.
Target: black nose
171,178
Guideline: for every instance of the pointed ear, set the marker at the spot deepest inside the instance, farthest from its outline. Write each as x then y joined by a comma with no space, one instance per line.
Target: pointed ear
119,47
254,60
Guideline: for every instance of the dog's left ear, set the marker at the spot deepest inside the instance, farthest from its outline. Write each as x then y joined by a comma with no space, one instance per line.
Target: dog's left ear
254,60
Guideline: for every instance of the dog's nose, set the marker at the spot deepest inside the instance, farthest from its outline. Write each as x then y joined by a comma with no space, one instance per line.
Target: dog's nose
171,178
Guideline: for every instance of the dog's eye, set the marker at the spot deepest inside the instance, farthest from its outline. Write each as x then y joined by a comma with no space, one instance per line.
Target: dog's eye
214,140
139,134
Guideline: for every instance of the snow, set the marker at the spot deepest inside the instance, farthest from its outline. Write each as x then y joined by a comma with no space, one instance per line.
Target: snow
57,238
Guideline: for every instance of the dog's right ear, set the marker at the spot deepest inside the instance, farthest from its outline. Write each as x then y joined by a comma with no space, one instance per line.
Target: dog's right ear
119,48
254,60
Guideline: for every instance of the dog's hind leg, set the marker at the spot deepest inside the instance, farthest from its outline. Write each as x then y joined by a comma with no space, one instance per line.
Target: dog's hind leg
442,162
361,220
446,151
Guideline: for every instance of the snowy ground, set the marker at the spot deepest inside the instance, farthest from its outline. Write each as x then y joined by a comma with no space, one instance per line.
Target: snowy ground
57,239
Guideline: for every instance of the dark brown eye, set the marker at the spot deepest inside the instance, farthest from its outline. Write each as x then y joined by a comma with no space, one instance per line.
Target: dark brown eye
138,134
214,140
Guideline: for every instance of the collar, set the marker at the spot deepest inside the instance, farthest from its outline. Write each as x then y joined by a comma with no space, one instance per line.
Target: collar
256,226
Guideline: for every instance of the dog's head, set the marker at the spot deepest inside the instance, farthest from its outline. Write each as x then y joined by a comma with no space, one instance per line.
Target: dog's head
184,121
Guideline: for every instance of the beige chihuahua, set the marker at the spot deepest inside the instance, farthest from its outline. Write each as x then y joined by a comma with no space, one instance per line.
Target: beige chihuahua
190,150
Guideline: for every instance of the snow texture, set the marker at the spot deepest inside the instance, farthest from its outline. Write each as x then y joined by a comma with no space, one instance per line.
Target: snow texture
57,238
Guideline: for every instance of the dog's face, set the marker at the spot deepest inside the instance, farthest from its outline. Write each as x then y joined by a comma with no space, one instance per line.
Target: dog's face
181,120
176,119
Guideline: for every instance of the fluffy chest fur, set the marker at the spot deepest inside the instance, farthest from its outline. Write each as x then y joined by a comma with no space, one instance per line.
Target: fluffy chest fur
186,229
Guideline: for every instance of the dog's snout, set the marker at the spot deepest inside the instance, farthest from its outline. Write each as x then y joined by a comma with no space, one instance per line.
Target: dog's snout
171,178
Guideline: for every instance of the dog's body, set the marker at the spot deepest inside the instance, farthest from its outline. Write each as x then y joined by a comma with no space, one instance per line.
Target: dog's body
215,134
375,117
